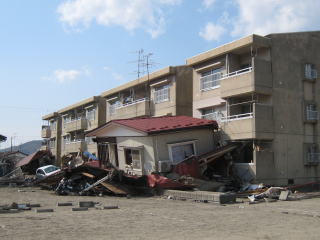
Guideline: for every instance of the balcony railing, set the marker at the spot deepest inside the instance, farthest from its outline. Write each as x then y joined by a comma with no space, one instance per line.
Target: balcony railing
312,115
313,157
213,81
113,107
75,124
131,103
237,117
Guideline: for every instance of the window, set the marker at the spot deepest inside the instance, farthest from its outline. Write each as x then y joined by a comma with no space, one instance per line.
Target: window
66,139
310,71
66,119
161,94
133,158
313,155
312,113
89,140
210,79
52,143
180,151
90,114
113,106
211,114
53,125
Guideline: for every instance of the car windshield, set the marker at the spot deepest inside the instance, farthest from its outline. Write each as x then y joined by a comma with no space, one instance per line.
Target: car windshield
50,169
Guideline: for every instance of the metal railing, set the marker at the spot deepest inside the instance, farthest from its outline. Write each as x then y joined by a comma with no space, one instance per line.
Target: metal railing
313,157
213,81
114,107
74,141
131,103
237,117
312,115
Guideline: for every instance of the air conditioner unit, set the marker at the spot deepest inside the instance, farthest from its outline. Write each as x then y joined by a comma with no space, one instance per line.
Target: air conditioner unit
165,166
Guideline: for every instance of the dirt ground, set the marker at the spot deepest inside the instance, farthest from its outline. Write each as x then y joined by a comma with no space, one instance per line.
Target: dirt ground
157,218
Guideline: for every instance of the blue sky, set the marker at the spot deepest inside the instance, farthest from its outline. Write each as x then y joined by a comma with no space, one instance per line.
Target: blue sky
55,53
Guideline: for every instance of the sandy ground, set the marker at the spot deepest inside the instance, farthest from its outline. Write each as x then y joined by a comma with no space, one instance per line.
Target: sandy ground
157,218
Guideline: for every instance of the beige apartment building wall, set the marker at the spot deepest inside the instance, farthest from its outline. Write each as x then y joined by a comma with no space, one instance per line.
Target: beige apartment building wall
53,133
80,125
277,79
179,80
290,53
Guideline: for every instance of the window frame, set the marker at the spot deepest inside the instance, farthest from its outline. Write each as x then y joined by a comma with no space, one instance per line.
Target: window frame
161,93
140,150
171,145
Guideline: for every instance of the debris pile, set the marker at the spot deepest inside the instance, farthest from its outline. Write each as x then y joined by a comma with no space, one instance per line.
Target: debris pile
86,179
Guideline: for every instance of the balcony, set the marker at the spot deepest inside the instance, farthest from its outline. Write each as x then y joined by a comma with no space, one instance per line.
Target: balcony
253,79
132,109
256,124
45,132
74,146
76,124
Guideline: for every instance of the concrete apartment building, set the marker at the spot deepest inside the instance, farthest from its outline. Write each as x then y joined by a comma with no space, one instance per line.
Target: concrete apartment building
264,91
162,93
51,134
65,131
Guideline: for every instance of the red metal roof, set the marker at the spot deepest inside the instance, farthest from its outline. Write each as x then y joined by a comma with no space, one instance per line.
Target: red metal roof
160,124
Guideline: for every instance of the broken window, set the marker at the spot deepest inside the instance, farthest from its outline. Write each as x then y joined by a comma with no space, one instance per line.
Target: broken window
180,151
212,113
133,158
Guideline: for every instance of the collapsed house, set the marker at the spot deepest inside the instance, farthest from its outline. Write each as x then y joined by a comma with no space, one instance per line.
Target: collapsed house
140,146
8,161
30,163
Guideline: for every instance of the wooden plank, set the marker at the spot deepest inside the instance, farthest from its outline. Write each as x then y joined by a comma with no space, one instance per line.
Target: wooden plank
113,188
88,175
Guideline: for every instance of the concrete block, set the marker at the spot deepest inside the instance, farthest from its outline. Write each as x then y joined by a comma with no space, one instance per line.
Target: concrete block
110,207
64,204
79,209
87,204
9,211
284,195
44,210
202,196
34,205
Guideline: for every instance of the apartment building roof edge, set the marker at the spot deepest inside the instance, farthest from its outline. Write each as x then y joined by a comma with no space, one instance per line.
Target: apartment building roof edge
79,104
223,49
154,75
49,116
